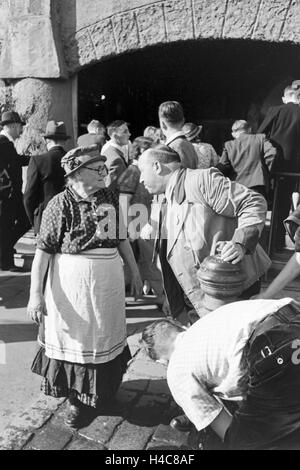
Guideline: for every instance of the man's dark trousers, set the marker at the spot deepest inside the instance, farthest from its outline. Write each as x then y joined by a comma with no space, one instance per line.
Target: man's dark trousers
269,417
14,224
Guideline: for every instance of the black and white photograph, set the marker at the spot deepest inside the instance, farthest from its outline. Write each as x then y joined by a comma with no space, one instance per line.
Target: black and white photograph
149,227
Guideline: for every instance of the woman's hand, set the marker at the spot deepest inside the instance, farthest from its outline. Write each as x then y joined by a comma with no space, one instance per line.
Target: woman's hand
136,290
36,308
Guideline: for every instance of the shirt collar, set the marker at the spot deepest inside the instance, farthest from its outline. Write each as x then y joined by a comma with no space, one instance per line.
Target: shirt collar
174,136
78,198
3,132
56,147
178,339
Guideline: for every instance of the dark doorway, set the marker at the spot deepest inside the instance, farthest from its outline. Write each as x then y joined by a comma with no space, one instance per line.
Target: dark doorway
217,81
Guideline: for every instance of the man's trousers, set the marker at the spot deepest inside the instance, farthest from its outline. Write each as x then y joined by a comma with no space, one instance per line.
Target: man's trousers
269,416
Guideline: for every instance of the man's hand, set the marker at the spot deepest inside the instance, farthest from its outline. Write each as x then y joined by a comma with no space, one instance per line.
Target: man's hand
146,232
133,234
231,252
166,308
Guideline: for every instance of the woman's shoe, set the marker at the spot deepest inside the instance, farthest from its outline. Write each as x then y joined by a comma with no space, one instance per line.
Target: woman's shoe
74,414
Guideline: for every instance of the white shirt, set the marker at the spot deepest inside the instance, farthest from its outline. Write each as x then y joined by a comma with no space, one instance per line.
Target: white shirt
125,149
175,136
206,363
172,211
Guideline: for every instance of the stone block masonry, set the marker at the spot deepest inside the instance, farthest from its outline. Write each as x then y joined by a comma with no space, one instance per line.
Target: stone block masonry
140,24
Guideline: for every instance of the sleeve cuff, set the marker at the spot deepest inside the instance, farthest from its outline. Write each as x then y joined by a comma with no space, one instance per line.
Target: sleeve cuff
248,237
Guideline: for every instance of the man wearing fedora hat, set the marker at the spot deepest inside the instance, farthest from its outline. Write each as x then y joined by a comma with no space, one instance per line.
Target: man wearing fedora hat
13,220
45,176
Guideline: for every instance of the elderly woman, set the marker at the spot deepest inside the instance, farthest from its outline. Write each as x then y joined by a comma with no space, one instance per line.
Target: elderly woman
206,154
81,306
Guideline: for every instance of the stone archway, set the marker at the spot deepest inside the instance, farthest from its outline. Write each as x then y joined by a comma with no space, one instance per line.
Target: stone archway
217,82
45,43
99,29
51,38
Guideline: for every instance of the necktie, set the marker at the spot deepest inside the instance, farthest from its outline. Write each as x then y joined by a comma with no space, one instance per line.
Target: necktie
161,218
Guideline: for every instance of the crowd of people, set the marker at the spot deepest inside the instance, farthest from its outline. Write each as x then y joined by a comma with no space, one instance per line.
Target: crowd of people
113,216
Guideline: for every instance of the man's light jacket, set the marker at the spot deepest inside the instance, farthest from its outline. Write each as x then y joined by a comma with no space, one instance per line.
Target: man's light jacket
212,209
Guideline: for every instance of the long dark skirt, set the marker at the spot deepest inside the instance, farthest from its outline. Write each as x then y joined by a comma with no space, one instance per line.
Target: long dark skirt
91,384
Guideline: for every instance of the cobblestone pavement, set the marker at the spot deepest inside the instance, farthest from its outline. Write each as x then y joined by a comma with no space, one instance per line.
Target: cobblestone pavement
139,419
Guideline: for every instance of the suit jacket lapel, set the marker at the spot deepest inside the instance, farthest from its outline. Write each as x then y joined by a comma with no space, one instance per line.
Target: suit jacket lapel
176,197
175,224
121,155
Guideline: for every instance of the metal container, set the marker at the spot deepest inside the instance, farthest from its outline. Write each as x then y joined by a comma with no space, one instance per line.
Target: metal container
221,282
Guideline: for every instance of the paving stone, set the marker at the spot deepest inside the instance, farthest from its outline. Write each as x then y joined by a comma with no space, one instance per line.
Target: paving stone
169,435
141,368
48,403
32,419
51,438
137,385
14,439
101,429
130,437
161,445
149,411
84,444
159,387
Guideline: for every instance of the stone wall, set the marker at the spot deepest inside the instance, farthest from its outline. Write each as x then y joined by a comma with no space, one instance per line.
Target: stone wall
38,101
37,37
6,101
53,39
95,29
4,12
29,40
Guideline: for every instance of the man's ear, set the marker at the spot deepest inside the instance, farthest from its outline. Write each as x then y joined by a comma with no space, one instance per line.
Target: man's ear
157,167
163,125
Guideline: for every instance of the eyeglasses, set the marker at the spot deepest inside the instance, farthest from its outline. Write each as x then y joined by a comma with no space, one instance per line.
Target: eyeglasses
102,170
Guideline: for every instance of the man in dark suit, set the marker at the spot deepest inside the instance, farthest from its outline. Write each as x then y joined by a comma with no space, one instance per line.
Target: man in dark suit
13,220
282,126
96,135
248,158
171,119
114,151
45,176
